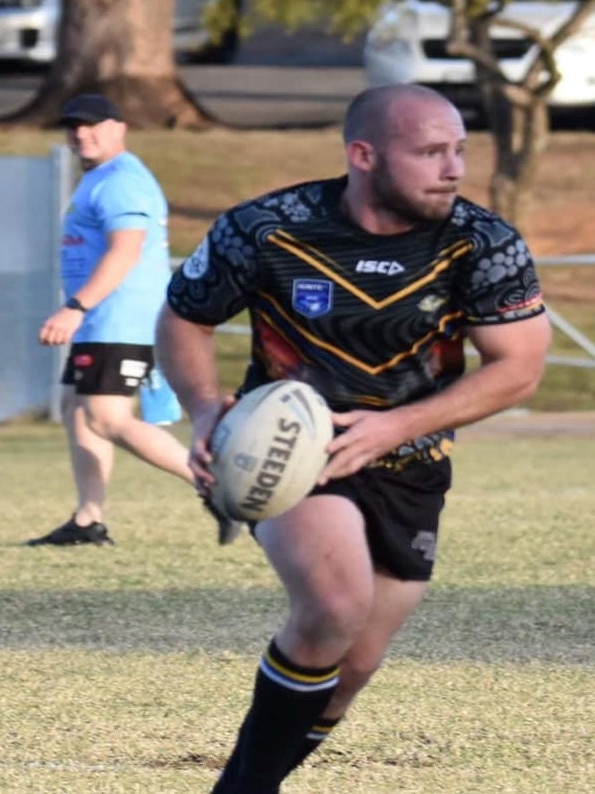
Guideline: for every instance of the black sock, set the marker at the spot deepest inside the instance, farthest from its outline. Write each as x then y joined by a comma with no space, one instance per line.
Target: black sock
286,703
318,733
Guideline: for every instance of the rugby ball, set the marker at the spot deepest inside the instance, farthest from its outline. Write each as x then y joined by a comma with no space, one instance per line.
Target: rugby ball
269,449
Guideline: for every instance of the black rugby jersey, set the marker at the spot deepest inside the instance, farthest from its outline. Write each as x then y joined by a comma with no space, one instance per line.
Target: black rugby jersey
371,321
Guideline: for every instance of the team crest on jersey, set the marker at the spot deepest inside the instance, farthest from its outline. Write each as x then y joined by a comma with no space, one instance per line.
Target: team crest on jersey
197,264
312,297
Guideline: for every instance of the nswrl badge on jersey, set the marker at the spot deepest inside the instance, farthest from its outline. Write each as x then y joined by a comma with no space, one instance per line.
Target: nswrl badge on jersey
312,297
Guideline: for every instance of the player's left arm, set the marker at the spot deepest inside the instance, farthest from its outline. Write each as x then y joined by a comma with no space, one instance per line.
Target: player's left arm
512,360
124,250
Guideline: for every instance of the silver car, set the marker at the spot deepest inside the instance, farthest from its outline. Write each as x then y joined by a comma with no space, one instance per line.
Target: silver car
407,43
28,30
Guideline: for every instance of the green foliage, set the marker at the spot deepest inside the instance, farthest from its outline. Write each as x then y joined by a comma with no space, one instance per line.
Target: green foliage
219,17
346,17
477,8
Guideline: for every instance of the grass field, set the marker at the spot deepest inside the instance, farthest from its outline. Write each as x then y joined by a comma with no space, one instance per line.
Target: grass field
128,669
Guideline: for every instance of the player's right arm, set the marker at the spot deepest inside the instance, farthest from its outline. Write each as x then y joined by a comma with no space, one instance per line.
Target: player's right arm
211,286
186,354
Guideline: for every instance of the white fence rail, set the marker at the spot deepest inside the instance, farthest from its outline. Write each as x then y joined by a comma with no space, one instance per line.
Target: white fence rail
580,260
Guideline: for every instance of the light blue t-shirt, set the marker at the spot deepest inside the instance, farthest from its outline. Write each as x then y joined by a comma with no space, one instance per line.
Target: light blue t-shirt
119,194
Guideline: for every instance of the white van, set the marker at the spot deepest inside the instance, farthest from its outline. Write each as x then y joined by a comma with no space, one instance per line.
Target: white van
407,44
28,31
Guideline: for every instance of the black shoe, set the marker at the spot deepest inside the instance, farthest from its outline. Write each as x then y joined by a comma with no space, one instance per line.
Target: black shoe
71,534
228,529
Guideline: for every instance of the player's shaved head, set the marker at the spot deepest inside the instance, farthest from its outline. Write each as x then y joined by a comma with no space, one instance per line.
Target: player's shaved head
374,113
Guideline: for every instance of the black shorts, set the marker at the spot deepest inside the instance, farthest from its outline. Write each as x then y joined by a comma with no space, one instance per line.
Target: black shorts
401,512
106,368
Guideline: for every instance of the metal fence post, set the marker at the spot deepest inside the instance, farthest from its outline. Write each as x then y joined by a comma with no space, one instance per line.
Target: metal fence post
62,179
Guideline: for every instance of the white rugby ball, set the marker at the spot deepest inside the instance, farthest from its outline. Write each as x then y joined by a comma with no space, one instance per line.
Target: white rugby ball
269,449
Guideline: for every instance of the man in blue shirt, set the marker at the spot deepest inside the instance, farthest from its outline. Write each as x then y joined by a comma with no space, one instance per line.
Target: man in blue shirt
115,268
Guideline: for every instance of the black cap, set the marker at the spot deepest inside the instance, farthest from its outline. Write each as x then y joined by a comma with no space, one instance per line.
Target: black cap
92,108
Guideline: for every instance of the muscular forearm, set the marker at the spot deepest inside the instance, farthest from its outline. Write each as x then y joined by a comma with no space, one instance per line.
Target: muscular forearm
369,435
512,362
492,388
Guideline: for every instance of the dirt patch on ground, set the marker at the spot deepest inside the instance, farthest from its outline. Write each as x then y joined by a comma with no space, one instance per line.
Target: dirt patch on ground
529,424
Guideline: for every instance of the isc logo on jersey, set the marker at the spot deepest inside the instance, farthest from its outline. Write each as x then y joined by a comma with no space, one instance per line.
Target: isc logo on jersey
384,266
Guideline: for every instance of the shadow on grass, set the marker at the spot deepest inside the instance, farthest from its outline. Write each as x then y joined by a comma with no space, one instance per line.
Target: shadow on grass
543,624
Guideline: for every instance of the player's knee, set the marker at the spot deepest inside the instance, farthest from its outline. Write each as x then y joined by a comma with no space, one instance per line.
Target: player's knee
335,617
105,425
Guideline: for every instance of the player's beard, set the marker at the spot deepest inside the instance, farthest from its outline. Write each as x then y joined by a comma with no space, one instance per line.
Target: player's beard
388,198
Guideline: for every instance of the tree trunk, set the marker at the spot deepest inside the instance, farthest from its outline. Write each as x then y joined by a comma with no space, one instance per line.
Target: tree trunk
513,179
518,120
123,49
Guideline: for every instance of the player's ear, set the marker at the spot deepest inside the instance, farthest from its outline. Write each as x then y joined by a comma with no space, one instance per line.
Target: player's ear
361,155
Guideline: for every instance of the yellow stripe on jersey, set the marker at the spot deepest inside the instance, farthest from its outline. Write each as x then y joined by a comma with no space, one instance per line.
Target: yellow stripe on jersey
313,257
355,362
316,256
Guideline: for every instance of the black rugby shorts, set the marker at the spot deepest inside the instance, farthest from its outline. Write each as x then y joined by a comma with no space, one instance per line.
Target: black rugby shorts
401,512
106,368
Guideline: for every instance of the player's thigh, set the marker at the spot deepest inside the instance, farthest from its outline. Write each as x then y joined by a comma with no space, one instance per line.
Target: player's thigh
319,550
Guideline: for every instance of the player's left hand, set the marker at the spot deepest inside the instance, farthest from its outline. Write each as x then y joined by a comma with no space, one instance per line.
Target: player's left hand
60,327
364,436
